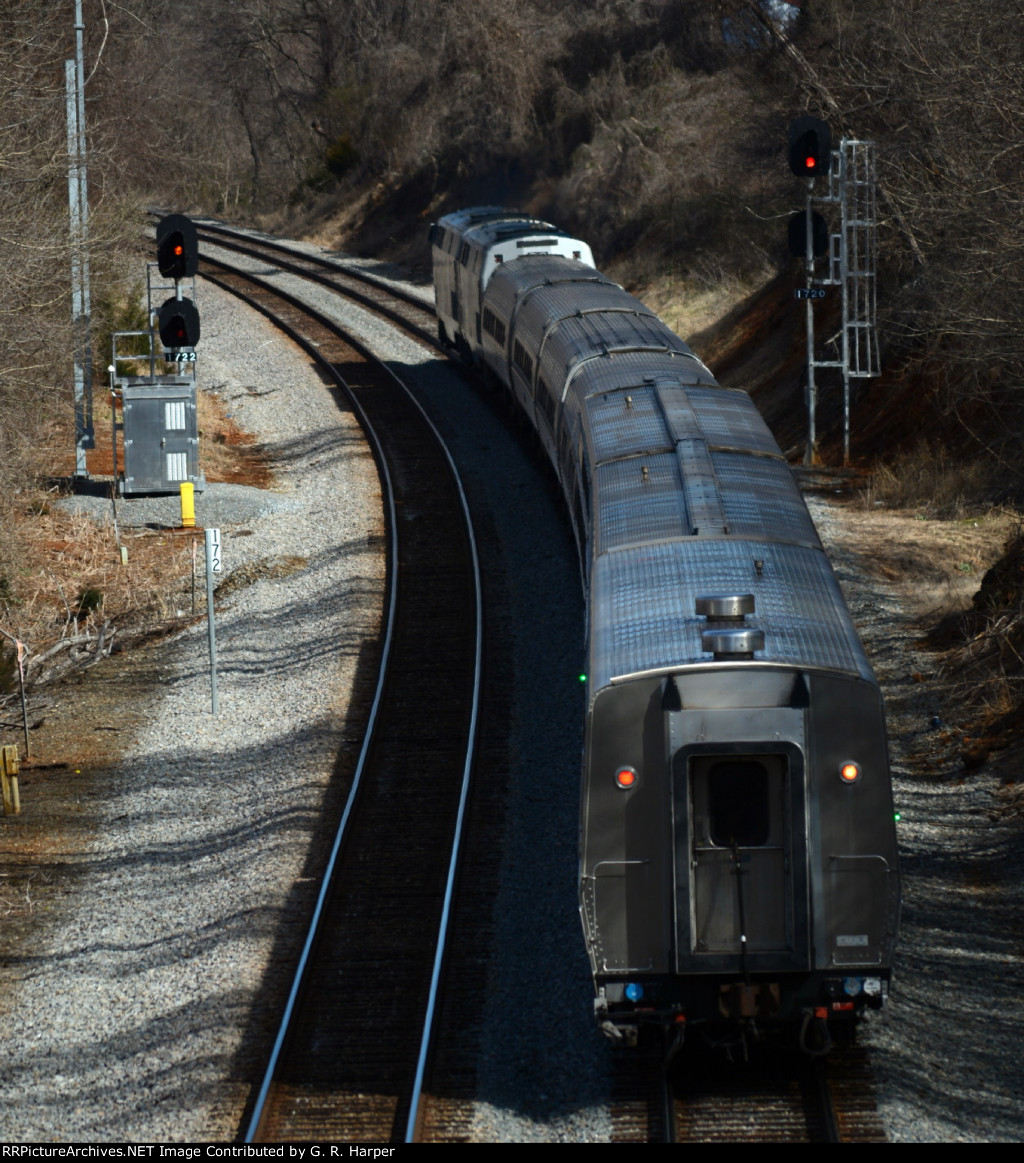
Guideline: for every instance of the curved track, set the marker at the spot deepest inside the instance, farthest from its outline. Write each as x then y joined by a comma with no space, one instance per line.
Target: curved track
413,314
357,1094
350,1059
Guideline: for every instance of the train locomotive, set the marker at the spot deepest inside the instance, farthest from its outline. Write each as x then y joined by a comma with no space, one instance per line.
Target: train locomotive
738,858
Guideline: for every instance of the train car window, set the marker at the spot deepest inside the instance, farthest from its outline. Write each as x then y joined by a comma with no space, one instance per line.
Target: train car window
522,359
584,475
738,803
494,326
578,512
563,441
547,402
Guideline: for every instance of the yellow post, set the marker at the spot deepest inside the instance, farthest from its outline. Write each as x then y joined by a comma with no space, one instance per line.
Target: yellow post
9,779
188,505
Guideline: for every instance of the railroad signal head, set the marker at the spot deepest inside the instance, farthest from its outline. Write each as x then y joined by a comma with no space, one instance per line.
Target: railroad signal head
177,247
798,234
810,147
178,324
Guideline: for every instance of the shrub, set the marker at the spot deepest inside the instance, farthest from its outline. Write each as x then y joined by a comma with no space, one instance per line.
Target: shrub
930,479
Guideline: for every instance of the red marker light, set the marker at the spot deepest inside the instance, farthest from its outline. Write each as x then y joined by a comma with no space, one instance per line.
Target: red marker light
849,772
810,163
626,778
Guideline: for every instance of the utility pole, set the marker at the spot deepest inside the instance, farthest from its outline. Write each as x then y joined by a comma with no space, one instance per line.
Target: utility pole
78,207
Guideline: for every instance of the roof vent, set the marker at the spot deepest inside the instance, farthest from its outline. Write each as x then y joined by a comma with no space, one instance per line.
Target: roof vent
725,644
725,607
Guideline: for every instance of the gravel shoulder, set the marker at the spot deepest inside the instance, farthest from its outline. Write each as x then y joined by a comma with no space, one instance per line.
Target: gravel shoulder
946,1048
152,880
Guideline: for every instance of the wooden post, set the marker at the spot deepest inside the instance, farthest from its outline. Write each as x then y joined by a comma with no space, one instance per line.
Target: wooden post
9,779
24,702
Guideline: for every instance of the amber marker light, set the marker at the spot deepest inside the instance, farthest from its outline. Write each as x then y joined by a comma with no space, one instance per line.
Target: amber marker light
849,772
626,778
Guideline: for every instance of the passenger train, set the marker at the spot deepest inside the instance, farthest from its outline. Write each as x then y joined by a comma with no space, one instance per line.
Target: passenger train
738,859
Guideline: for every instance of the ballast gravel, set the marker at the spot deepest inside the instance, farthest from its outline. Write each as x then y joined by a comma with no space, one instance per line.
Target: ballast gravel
129,1019
946,1050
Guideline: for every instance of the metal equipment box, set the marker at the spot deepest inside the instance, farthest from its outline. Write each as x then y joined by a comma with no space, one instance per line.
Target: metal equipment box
161,435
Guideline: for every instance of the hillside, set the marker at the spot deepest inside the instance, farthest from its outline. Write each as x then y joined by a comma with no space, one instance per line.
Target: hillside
655,128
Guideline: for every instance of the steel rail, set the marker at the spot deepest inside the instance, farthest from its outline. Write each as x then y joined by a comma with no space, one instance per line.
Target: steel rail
325,888
244,236
821,1096
247,244
426,1040
777,1095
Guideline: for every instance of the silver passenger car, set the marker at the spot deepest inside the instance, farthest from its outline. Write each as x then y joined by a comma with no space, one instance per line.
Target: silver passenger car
738,865
468,246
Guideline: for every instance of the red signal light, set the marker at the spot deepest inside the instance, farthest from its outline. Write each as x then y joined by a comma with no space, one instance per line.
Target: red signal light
178,323
810,147
177,247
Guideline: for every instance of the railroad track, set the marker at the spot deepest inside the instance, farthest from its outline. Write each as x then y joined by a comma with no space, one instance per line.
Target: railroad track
363,1099
351,1058
410,312
778,1095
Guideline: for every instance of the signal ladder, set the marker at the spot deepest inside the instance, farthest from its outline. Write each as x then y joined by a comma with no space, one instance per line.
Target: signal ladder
852,266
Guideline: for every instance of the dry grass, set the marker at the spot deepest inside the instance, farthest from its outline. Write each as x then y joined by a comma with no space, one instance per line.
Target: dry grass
61,574
226,452
934,482
70,578
21,890
975,635
984,647
693,306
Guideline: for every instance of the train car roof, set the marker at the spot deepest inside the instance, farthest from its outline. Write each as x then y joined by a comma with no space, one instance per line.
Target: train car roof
522,231
461,219
540,270
484,224
644,619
